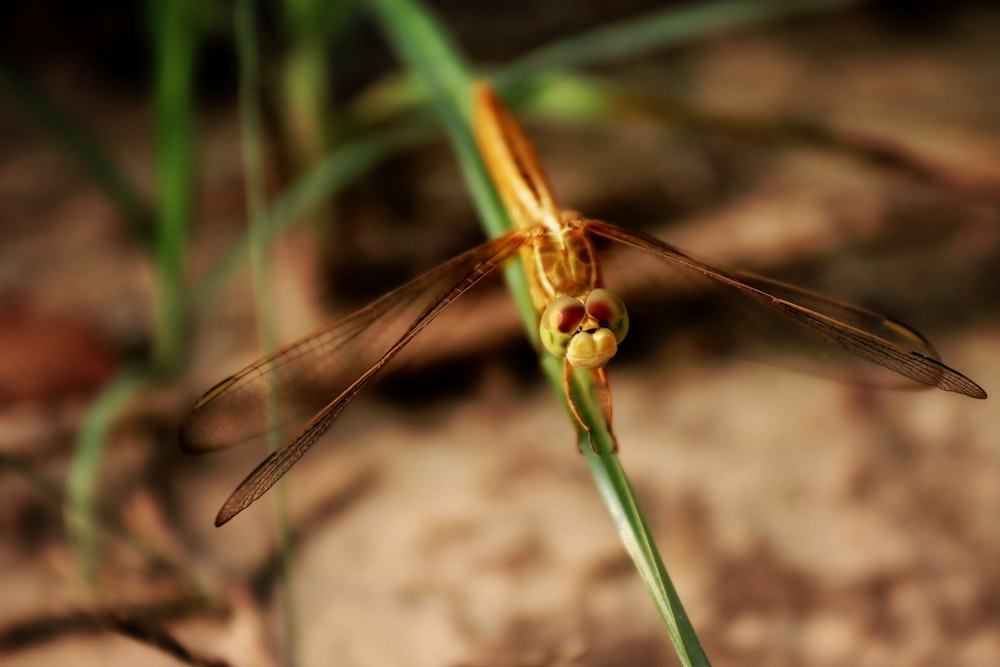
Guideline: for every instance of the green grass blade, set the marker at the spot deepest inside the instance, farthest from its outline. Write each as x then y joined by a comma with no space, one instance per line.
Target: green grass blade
305,90
81,486
425,48
658,30
175,25
619,498
260,236
351,159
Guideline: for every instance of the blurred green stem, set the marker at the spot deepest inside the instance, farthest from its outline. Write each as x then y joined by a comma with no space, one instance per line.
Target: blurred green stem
657,30
306,77
174,25
81,497
260,236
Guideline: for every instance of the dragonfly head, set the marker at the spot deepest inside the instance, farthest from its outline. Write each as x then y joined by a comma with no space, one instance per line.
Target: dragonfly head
585,332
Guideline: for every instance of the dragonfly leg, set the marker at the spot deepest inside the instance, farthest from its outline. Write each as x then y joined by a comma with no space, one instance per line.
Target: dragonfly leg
600,378
573,409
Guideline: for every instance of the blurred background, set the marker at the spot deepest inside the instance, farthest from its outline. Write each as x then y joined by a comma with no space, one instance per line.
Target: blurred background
851,148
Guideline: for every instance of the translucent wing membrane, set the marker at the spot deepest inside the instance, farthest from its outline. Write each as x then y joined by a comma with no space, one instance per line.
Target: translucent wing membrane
861,332
319,375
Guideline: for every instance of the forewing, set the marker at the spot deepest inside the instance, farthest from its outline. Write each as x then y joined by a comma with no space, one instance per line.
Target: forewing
861,332
447,283
284,389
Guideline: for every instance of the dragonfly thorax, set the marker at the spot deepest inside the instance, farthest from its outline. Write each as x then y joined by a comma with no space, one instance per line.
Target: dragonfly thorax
560,263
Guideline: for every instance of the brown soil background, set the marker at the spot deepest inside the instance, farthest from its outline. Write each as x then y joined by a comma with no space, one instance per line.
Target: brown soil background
448,519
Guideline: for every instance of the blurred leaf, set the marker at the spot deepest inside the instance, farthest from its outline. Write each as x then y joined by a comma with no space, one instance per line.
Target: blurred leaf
260,264
81,496
176,27
659,30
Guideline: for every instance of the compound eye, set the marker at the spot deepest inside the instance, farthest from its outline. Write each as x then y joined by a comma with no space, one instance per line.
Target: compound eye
559,323
607,308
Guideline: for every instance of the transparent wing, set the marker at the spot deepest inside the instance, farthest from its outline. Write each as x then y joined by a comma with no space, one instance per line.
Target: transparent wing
861,332
319,375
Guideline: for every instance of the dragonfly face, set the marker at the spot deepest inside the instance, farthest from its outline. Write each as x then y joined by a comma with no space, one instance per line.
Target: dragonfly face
586,332
306,386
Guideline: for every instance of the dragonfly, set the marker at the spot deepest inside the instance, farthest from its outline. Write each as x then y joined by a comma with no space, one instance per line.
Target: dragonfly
579,320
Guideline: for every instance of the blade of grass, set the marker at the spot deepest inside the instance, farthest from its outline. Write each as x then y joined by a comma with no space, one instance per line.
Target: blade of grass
424,46
351,159
81,503
260,235
308,126
174,25
658,30
312,25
